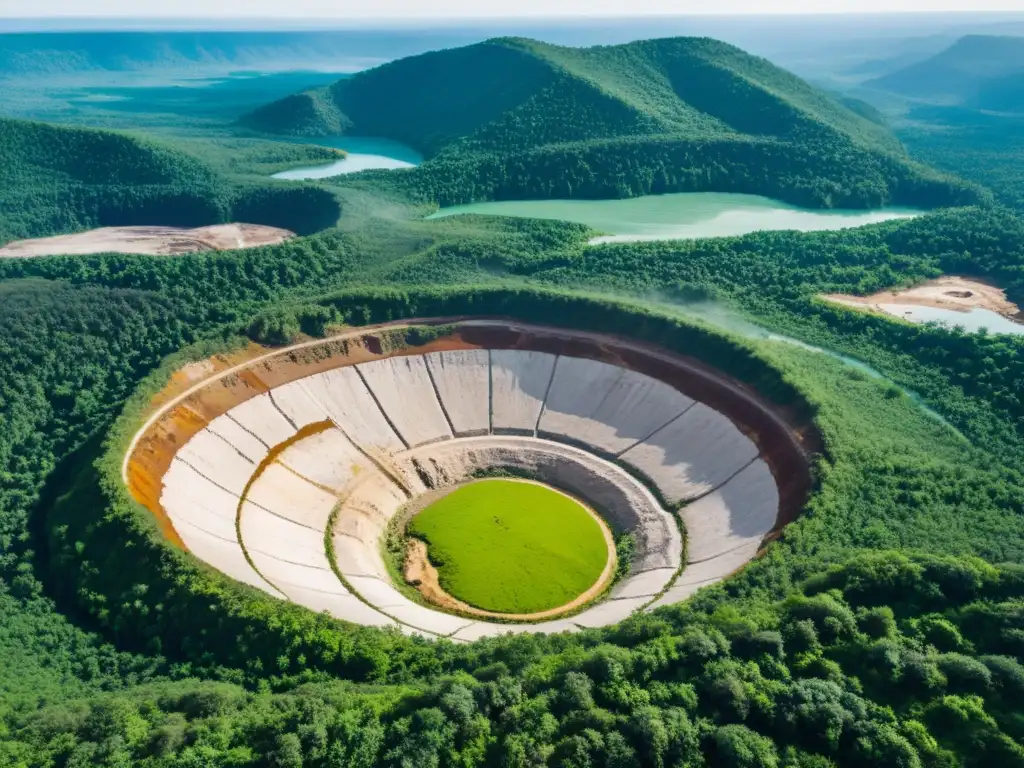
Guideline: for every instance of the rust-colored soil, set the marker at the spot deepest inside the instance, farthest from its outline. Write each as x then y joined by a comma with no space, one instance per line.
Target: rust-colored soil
420,573
192,374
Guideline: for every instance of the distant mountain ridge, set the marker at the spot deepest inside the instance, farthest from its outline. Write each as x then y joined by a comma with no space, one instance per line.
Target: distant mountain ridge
983,71
50,53
513,117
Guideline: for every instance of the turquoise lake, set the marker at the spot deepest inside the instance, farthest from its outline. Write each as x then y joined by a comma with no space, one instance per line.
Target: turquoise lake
681,216
973,320
364,154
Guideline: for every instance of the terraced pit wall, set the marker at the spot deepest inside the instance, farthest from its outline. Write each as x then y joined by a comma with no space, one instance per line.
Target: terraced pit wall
511,348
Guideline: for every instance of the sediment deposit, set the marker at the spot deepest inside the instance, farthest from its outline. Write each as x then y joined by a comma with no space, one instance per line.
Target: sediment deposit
155,241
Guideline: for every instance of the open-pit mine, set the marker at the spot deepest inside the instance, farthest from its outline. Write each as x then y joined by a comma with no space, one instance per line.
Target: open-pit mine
285,471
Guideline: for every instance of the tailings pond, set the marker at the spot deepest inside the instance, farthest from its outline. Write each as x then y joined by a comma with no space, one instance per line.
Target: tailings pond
364,154
681,216
950,300
971,320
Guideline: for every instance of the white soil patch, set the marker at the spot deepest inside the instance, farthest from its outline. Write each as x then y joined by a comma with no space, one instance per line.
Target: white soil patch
154,241
959,294
197,371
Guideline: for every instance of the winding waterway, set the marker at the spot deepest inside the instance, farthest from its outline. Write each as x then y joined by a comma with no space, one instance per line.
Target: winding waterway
681,216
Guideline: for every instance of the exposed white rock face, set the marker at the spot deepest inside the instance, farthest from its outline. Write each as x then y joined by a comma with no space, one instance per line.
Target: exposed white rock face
335,456
230,432
262,419
327,459
348,403
405,392
193,499
220,461
606,408
297,406
203,513
519,386
739,513
463,382
692,455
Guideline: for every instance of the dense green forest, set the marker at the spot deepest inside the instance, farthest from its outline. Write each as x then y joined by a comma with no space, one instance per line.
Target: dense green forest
61,179
515,118
980,146
884,628
832,650
964,112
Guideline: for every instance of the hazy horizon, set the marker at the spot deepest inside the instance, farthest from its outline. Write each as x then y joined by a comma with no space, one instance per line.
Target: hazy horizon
895,21
444,11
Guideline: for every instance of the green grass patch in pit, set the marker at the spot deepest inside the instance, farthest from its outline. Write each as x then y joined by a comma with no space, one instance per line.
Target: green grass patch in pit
512,546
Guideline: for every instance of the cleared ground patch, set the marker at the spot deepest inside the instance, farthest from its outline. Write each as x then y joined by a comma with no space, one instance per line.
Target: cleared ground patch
512,546
155,241
948,292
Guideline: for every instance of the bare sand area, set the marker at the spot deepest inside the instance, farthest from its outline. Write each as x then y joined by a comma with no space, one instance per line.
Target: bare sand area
959,294
154,241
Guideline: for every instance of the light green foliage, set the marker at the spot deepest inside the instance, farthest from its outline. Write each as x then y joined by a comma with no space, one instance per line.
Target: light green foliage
512,546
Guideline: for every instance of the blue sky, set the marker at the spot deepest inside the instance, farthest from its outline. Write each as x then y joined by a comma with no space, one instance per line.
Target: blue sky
421,9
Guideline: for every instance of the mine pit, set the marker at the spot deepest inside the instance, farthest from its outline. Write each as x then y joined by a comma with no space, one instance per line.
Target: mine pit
256,467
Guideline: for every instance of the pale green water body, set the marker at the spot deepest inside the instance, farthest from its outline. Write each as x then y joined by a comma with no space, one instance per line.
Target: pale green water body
681,216
364,154
972,320
727,319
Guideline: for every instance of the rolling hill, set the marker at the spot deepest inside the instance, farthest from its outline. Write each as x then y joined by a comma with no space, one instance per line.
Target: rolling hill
56,180
985,72
512,117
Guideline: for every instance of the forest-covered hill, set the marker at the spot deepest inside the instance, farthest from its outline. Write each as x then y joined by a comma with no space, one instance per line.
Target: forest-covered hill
512,117
682,85
60,179
982,71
